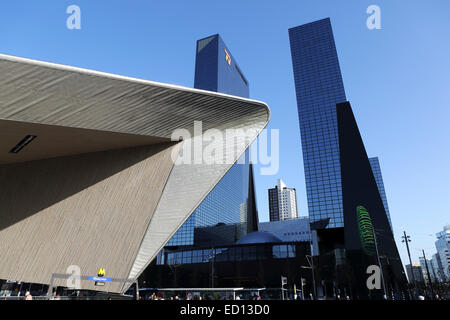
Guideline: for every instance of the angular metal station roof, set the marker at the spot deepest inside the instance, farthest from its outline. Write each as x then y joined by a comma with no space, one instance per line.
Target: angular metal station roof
77,111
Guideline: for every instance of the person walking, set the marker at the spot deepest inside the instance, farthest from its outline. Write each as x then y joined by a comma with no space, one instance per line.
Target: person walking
28,296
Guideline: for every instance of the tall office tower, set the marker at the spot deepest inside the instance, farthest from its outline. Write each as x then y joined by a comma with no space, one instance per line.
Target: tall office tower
339,218
282,202
229,211
418,274
424,264
319,87
443,250
376,169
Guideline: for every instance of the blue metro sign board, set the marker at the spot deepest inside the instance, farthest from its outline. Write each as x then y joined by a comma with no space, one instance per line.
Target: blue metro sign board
100,279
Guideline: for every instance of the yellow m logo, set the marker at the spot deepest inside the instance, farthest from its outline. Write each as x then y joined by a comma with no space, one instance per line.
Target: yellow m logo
101,272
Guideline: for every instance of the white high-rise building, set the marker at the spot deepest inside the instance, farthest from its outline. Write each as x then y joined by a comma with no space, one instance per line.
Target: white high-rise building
282,202
437,266
443,250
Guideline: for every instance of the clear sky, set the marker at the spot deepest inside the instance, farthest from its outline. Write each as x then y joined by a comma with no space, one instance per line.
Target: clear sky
397,78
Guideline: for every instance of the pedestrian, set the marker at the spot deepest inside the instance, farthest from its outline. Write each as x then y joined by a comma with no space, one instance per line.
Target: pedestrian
28,296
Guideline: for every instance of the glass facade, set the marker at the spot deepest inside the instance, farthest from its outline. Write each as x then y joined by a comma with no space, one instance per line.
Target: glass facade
256,265
235,253
376,169
229,211
222,217
319,87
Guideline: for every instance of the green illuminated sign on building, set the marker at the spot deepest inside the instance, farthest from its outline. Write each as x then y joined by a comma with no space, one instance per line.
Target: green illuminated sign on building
365,231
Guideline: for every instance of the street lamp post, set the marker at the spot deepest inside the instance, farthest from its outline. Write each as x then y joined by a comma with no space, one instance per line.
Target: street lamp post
212,256
428,273
407,239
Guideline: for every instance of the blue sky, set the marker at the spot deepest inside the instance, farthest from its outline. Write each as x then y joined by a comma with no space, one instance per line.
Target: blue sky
397,78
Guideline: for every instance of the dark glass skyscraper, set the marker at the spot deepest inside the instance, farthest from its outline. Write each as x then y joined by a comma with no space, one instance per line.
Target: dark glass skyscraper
368,237
319,87
345,198
229,211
